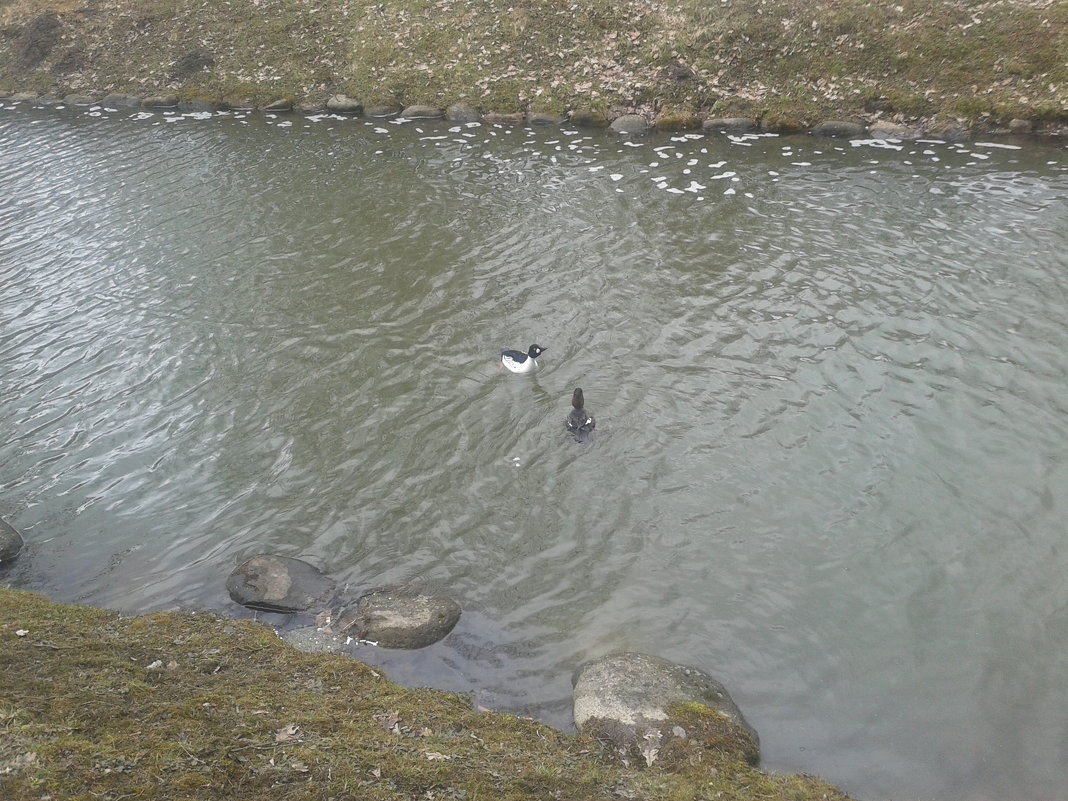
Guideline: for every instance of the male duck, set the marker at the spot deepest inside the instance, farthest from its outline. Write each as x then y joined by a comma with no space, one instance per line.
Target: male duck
579,422
518,362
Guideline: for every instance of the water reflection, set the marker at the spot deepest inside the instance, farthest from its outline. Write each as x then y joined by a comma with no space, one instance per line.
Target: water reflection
827,377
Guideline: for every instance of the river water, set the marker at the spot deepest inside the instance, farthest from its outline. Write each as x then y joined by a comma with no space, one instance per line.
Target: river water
829,380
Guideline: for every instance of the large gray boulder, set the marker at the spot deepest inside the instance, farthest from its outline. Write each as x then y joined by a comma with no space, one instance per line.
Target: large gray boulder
884,129
651,709
462,113
401,617
630,125
839,129
10,542
343,104
279,584
733,125
421,112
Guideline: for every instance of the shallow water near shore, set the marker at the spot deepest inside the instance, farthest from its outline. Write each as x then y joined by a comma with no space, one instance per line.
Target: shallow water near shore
830,456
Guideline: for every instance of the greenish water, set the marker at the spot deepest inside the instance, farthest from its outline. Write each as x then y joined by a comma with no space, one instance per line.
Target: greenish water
830,458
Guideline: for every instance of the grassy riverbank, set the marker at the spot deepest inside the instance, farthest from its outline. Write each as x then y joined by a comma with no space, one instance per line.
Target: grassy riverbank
175,706
983,63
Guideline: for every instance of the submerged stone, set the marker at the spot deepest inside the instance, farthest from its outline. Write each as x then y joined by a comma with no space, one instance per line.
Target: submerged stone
587,118
630,125
160,101
884,129
499,118
120,100
640,703
423,113
79,100
544,118
279,584
401,617
10,542
839,129
735,125
384,110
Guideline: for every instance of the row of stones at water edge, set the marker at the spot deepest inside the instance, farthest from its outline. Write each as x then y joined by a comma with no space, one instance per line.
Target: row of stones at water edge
644,707
629,124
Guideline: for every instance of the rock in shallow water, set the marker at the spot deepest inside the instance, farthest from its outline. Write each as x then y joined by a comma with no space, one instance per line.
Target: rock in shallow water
279,584
10,542
401,617
630,125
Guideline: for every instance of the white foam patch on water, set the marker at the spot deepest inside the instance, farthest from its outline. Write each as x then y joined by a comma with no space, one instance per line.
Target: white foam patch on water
887,144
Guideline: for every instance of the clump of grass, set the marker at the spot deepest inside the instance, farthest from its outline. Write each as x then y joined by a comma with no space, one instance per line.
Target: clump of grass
96,705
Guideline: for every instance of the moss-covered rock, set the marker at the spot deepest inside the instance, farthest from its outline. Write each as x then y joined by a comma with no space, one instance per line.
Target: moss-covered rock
645,706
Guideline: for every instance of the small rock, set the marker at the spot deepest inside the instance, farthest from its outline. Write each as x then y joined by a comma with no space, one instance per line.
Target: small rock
120,100
949,130
11,542
196,106
79,100
401,617
237,104
160,101
343,104
544,118
630,125
462,113
1020,127
423,113
734,125
783,126
676,122
499,118
884,129
384,110
279,584
586,118
309,108
839,129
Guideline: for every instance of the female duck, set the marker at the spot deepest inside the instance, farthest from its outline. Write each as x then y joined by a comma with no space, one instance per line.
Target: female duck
579,422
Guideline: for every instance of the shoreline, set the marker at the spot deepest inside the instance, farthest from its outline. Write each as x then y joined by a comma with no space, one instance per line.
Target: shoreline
194,704
626,124
950,69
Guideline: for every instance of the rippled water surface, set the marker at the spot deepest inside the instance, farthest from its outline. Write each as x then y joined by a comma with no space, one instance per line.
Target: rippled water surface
829,380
